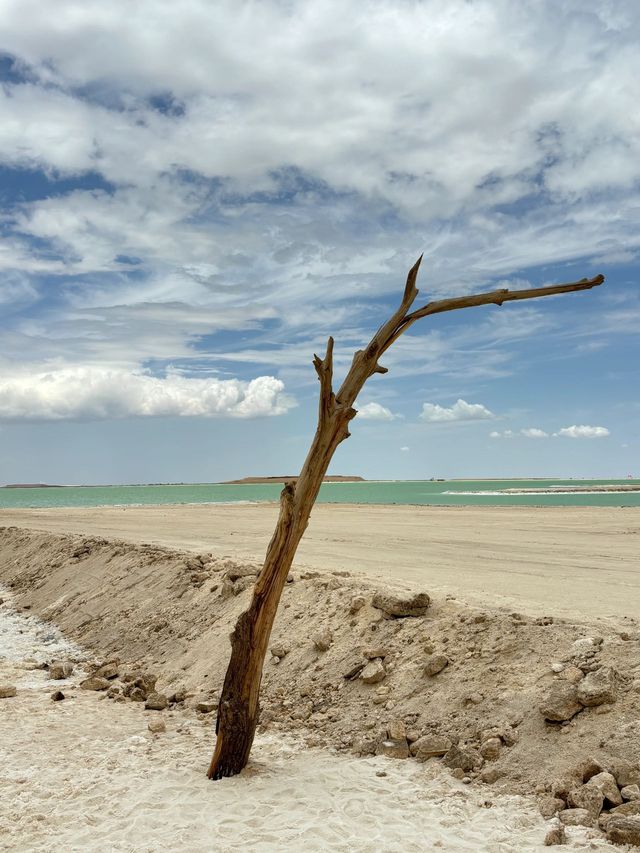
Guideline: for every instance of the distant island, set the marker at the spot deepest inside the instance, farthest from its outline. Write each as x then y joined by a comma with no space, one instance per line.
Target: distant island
31,486
333,478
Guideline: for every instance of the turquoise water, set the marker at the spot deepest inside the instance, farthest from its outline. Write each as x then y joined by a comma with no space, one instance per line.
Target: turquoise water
445,493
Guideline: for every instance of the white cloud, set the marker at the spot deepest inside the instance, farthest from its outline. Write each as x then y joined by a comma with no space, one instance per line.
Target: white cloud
583,432
105,394
376,412
405,449
533,432
460,411
507,433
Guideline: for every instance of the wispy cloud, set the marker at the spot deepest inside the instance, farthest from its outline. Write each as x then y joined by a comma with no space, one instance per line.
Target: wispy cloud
583,432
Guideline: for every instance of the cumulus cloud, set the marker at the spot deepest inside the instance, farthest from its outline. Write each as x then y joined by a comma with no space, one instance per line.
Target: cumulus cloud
460,411
507,433
534,432
376,412
105,394
583,431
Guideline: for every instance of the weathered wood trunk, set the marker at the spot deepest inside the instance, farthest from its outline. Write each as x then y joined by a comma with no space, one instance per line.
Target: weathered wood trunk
239,701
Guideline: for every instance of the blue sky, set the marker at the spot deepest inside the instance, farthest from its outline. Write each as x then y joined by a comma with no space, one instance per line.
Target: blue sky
193,197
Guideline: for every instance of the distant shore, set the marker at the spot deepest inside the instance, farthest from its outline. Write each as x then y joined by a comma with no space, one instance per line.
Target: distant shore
332,478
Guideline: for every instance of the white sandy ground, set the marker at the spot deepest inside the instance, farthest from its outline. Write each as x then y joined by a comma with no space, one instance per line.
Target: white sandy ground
573,562
87,775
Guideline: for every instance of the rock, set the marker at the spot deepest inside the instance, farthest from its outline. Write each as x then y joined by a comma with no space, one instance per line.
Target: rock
279,650
490,749
138,685
598,688
353,671
560,703
630,792
206,706
402,605
555,835
57,696
373,672
625,772
356,604
60,669
430,746
589,768
550,806
606,784
94,682
435,664
179,696
397,730
586,797
373,652
322,640
156,702
572,674
489,775
474,698
108,670
7,691
577,817
629,809
393,748
236,572
157,726
464,758
624,830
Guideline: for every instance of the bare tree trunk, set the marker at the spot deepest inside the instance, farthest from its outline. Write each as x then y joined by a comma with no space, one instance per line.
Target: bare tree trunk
239,702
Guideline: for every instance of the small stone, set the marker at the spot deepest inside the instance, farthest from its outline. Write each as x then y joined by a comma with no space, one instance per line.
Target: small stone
397,730
464,758
457,773
7,691
157,726
373,672
356,604
605,783
393,748
156,702
591,767
550,806
598,688
630,809
572,674
60,669
430,746
586,797
625,772
322,640
435,664
279,650
94,682
381,773
577,817
373,652
57,696
108,670
489,775
556,835
557,667
402,605
560,703
630,792
206,706
624,830
178,696
490,749
473,698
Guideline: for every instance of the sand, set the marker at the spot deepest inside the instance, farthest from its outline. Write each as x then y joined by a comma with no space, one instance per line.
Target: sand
85,774
566,561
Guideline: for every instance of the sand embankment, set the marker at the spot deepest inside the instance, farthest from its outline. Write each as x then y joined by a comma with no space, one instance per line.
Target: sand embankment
567,561
171,612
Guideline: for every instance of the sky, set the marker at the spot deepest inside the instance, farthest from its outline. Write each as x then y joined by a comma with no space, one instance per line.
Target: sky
193,196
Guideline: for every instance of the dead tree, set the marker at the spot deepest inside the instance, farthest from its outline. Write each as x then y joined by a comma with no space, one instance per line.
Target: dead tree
239,702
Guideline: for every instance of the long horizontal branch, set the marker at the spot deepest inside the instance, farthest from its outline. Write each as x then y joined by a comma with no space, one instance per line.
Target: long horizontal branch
493,297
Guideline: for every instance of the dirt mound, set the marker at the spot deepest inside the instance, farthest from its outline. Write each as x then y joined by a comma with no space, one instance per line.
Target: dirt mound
507,699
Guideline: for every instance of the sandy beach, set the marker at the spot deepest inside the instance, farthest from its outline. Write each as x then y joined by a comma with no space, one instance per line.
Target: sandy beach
157,589
570,561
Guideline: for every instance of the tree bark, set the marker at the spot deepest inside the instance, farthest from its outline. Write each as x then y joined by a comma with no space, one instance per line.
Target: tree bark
239,707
